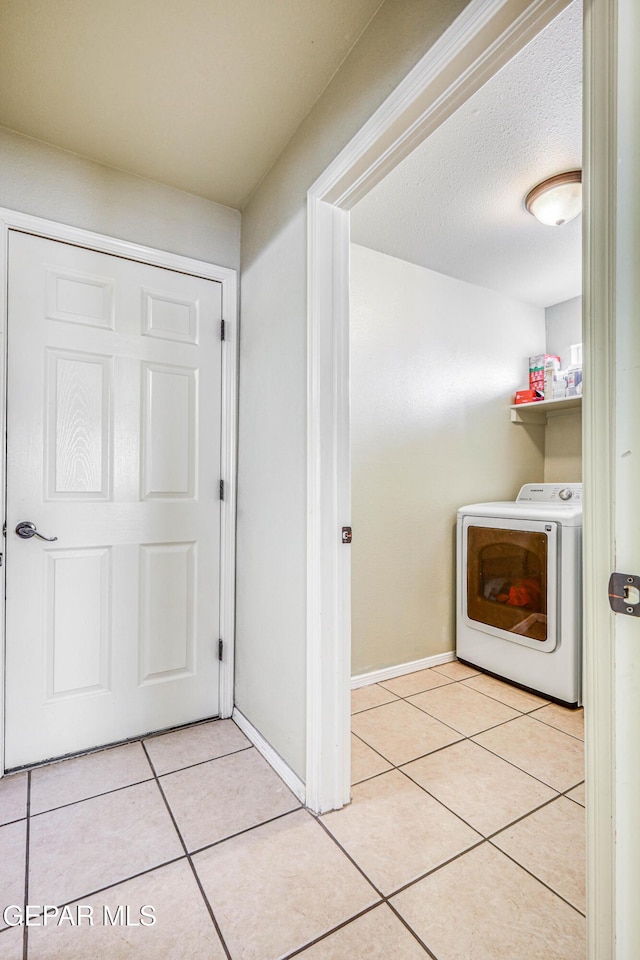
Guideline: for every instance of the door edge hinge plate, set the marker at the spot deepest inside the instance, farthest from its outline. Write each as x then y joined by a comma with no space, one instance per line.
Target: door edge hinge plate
220,648
222,489
222,330
624,593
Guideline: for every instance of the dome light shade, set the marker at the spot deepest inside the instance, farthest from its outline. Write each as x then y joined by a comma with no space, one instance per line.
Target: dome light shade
557,200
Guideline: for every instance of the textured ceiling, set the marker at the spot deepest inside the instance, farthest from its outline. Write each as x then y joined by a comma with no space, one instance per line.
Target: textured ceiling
199,94
455,205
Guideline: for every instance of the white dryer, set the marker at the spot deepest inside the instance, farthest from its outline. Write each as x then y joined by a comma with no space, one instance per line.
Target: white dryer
519,589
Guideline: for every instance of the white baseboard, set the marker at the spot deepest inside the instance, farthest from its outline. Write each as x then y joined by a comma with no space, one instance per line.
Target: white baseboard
273,758
388,673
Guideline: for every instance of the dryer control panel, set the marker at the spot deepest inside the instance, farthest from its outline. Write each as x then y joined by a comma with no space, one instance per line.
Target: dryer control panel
550,493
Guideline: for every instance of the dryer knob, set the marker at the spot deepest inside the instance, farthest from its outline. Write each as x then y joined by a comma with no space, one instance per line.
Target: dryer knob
565,494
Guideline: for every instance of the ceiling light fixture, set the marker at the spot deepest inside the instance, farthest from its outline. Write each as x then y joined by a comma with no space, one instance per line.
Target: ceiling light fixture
557,200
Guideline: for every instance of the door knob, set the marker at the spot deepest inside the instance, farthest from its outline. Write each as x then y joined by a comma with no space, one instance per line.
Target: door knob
26,530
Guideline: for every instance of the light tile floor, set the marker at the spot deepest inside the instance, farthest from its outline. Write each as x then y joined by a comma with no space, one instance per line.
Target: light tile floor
464,839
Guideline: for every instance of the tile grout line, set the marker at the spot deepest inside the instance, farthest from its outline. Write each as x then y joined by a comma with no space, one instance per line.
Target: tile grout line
385,898
402,920
403,696
490,837
25,933
439,866
115,883
521,769
524,816
464,680
166,863
94,796
494,726
374,776
553,727
400,696
329,933
439,686
440,802
569,790
318,820
407,699
200,763
437,669
546,885
409,704
385,703
423,756
459,816
190,861
462,738
467,736
8,823
470,739
511,823
353,919
135,783
527,691
150,735
358,737
255,826
523,713
545,703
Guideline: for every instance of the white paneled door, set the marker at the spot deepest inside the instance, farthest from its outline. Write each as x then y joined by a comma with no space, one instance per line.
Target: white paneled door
113,448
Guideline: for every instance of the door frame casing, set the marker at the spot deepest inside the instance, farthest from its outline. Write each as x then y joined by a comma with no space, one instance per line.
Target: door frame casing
228,279
484,37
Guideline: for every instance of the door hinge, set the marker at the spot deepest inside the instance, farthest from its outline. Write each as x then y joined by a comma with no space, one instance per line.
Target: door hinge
624,593
222,329
220,645
347,534
222,489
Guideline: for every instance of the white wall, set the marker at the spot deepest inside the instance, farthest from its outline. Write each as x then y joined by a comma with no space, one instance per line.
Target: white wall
564,327
434,365
48,182
563,449
271,625
563,444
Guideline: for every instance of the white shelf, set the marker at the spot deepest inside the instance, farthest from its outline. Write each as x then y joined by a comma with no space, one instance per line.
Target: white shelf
540,410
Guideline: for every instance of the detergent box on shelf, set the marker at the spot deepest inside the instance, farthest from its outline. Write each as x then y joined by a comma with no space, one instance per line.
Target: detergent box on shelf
527,396
540,366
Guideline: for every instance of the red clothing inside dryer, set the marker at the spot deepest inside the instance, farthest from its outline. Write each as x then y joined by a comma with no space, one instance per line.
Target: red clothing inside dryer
522,593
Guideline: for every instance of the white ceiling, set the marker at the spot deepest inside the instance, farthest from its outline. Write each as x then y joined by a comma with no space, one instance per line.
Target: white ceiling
199,94
455,205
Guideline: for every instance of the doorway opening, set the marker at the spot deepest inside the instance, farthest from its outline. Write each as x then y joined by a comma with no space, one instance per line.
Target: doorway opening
483,38
454,286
